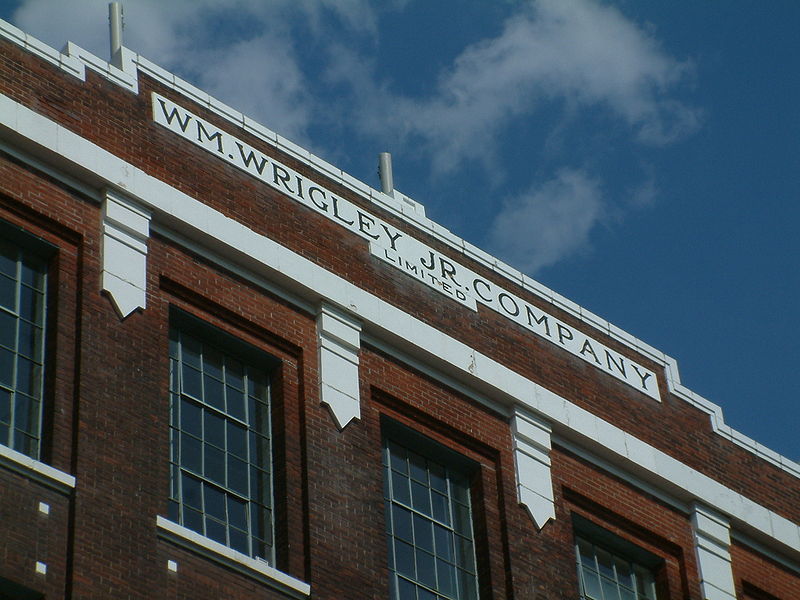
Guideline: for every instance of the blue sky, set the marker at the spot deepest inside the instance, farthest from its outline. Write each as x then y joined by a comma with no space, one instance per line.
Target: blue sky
640,157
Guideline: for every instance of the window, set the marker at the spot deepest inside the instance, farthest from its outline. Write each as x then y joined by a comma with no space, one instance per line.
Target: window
428,520
221,455
611,568
23,293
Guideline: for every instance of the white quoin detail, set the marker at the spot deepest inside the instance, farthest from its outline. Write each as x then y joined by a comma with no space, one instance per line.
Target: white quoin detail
126,229
532,457
339,337
712,541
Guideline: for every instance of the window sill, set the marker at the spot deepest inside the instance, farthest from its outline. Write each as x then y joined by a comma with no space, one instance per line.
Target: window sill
237,561
29,467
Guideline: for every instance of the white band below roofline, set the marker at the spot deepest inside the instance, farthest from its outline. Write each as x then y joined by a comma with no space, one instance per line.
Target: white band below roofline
381,319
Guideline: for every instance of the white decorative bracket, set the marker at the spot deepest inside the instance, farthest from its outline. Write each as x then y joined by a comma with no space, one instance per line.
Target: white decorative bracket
532,457
712,539
339,343
126,228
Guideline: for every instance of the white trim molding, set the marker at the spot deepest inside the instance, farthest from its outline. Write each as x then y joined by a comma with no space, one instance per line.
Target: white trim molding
532,459
712,539
34,469
252,567
126,229
339,341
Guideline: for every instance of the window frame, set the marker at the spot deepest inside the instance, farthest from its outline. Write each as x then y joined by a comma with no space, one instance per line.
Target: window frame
252,359
36,251
457,470
640,562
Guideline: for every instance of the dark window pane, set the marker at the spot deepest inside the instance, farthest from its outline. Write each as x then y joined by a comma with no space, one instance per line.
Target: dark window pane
239,541
31,304
191,453
426,568
610,589
234,375
193,519
191,415
6,368
237,475
216,531
214,429
401,523
440,508
212,362
191,489
8,259
406,590
173,511
214,464
214,392
444,542
404,558
420,497
190,351
235,406
237,513
461,519
26,444
446,577
5,407
191,382
400,491
423,533
397,458
26,414
419,470
237,440
426,595
7,329
214,502
8,293
465,554
591,584
28,374
32,273
438,478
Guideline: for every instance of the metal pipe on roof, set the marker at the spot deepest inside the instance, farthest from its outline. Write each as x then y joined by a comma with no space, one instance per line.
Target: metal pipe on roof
115,28
385,173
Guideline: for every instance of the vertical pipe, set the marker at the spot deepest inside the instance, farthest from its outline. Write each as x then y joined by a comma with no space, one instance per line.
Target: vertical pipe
115,29
385,173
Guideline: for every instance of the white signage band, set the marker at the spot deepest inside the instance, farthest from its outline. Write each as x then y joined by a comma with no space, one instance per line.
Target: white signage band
400,250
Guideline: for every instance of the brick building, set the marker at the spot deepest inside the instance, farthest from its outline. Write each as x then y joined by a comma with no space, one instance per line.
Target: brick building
230,370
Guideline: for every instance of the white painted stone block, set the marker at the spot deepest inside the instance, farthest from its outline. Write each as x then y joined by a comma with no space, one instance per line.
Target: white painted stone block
126,228
532,459
712,548
339,339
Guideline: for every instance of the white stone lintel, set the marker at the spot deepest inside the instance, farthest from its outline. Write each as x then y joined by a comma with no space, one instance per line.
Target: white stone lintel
339,338
532,458
126,229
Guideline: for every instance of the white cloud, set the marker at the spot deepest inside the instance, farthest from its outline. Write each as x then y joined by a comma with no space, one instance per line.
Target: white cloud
240,51
548,222
578,52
